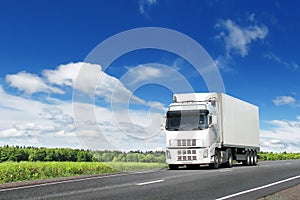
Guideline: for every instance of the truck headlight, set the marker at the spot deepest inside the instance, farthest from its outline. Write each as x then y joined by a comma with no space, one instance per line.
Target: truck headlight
168,154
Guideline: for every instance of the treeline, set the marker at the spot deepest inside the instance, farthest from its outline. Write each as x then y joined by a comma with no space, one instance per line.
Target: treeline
132,156
17,154
22,153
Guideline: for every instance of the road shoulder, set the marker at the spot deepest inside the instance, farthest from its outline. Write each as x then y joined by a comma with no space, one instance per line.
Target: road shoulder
292,193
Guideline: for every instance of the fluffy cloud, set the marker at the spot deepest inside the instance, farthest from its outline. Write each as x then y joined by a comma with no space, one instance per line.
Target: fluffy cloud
24,121
92,81
64,74
283,137
52,123
123,129
144,72
284,100
237,38
155,73
30,83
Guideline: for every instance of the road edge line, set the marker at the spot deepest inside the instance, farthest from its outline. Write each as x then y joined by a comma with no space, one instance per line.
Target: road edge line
258,188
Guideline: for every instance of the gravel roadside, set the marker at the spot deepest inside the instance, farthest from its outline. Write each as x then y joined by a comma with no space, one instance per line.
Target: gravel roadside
292,193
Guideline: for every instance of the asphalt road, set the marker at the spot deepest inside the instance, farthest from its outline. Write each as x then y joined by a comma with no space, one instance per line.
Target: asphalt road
239,182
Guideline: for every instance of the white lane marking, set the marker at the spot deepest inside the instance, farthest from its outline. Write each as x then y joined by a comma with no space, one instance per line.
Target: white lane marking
258,188
150,182
75,180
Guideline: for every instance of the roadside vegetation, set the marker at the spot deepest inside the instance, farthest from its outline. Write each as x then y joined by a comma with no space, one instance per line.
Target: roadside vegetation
278,156
32,163
21,171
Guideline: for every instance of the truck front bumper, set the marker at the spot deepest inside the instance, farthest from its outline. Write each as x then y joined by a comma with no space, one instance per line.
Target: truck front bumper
183,156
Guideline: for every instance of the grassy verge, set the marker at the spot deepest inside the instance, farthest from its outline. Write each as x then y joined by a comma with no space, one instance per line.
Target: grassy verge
21,171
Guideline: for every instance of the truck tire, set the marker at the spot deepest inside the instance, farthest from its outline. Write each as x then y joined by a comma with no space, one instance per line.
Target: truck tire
173,167
216,163
251,158
247,161
255,160
230,159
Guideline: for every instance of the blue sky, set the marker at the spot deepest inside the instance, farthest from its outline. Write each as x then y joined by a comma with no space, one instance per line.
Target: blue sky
254,44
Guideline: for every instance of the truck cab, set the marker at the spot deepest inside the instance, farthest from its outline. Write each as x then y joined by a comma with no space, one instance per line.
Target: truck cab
194,130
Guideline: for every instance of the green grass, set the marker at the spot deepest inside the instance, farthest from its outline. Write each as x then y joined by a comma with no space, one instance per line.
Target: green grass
278,156
21,171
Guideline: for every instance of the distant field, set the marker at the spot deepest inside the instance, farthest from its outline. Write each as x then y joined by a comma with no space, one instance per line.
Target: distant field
21,171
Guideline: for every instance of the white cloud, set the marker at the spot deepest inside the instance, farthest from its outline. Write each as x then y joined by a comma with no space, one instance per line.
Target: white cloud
224,62
30,83
145,6
283,137
284,100
144,73
289,65
11,132
64,74
121,129
156,73
24,121
93,81
30,122
111,89
237,38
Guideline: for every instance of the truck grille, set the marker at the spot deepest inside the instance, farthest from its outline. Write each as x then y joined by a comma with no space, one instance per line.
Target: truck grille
186,155
186,143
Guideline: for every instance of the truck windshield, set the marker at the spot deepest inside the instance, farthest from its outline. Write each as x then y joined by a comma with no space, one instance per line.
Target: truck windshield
186,120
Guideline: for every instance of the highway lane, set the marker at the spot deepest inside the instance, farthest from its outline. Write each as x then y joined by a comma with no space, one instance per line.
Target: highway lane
239,182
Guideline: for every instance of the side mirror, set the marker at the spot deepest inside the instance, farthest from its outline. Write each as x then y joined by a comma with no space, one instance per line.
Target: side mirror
212,119
213,103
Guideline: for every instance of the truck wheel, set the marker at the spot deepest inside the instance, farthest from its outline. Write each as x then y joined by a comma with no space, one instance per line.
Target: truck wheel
251,158
216,163
255,160
247,161
230,159
173,167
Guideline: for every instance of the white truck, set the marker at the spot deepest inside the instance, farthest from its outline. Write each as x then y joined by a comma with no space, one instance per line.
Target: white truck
211,128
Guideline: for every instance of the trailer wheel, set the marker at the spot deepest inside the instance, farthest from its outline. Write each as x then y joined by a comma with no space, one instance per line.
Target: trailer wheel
251,158
216,163
230,159
255,160
173,167
247,161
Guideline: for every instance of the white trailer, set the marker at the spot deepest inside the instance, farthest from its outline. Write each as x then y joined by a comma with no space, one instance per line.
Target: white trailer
211,128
